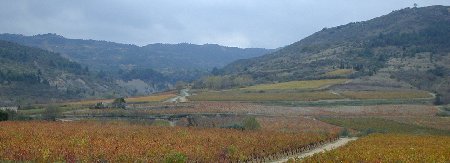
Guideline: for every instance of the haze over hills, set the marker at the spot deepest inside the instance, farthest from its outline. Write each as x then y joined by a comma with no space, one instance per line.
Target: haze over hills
165,58
408,48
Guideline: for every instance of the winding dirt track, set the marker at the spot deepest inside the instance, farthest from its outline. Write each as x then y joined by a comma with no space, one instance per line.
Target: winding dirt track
329,146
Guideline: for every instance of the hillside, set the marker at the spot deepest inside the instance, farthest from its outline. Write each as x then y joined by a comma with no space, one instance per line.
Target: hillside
32,75
406,49
172,59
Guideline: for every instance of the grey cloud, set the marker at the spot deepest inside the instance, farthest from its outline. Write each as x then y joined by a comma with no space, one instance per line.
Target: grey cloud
243,23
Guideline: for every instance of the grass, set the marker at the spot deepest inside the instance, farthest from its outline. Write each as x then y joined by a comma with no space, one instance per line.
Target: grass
161,123
302,85
253,96
379,125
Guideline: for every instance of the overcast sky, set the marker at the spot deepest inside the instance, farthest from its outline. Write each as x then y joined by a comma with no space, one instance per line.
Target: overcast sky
241,23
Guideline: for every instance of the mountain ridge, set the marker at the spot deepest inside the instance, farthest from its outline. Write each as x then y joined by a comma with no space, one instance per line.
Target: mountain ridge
411,41
203,57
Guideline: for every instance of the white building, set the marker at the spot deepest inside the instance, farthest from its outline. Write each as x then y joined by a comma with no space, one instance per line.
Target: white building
9,108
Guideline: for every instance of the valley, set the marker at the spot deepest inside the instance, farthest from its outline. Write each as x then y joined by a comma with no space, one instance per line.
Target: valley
370,91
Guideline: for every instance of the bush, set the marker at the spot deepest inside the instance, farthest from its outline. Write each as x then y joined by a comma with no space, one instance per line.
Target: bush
438,100
119,103
3,116
443,114
344,133
250,123
234,126
175,157
51,113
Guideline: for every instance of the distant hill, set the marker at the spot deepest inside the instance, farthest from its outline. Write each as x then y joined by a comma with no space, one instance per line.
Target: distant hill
32,75
409,47
165,58
76,68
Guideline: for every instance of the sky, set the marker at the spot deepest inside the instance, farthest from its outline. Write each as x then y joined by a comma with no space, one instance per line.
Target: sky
236,23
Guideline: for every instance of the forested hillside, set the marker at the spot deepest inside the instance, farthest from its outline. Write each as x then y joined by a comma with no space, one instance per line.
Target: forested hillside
179,61
410,45
32,75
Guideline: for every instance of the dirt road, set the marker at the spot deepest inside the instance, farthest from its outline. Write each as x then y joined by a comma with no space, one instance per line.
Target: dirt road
180,98
329,146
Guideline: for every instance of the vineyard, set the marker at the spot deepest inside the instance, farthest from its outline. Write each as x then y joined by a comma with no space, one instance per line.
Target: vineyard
389,148
441,123
263,96
295,85
290,95
385,94
380,125
156,98
122,142
152,98
251,108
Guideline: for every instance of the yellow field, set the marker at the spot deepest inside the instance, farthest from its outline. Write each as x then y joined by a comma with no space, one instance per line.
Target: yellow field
152,98
389,148
304,84
239,96
339,72
90,102
385,94
155,98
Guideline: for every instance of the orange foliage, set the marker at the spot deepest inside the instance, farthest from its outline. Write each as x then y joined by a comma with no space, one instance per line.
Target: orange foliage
123,142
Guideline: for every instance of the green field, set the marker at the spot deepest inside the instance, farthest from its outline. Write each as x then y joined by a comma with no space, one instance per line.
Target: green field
339,72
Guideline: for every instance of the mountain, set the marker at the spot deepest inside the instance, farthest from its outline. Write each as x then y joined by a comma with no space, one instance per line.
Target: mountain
408,47
33,75
171,59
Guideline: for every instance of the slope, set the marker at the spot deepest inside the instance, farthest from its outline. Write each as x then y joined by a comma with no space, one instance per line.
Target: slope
32,75
407,48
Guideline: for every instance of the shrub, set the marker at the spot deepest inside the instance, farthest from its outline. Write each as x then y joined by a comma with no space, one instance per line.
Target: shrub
438,100
119,103
234,126
344,133
51,113
250,123
3,116
175,157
